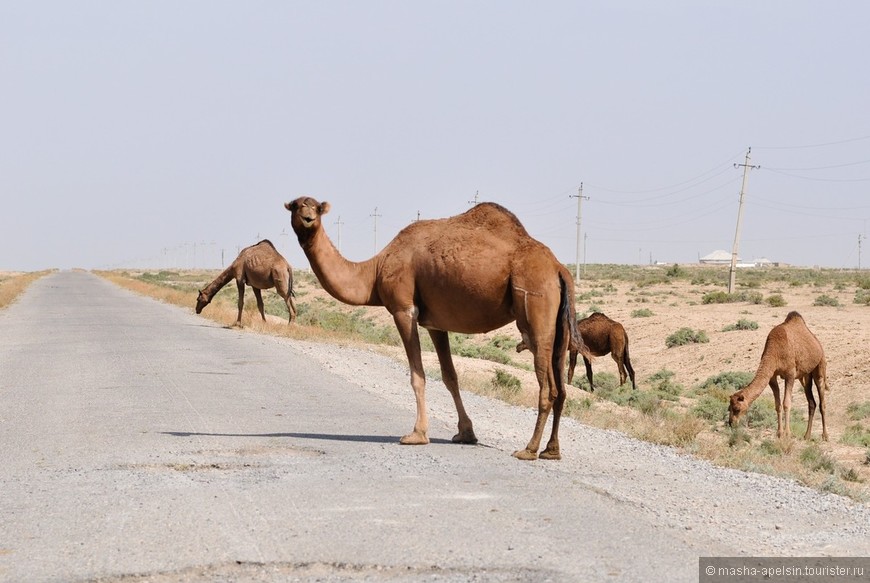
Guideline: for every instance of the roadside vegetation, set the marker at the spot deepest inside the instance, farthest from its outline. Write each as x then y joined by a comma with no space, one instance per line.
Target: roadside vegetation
689,414
12,284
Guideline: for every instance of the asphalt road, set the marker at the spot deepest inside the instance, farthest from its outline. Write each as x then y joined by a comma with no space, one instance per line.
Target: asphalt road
141,442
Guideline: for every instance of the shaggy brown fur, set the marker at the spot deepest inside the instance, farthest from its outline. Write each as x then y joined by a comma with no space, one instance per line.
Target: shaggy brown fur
261,267
471,273
791,352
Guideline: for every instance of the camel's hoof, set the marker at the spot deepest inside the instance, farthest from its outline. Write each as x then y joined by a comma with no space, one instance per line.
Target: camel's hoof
551,454
526,455
465,438
414,439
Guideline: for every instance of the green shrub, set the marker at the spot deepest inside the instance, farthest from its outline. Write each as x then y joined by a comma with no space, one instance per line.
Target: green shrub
726,383
675,271
776,301
663,385
826,300
718,297
742,324
685,336
862,296
505,383
816,460
642,313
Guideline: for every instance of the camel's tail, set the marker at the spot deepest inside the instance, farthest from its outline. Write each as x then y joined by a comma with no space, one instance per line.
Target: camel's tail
569,318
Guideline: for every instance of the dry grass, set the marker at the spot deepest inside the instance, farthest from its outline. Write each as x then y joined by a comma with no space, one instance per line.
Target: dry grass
12,284
681,411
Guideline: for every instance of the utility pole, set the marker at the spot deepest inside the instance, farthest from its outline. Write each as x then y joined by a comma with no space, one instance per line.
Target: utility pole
860,238
418,217
376,215
733,271
579,196
476,196
340,223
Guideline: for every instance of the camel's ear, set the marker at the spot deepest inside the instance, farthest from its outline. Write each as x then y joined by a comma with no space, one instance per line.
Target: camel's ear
290,206
324,207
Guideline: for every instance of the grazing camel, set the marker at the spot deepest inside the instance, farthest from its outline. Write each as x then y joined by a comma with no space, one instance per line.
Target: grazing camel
471,273
601,335
261,267
793,353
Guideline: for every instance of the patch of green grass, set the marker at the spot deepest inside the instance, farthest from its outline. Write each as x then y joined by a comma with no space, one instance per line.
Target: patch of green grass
685,336
641,313
856,434
862,296
506,383
742,324
354,324
858,411
725,383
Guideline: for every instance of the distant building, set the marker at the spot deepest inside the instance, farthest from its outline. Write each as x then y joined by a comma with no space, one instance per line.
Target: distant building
718,257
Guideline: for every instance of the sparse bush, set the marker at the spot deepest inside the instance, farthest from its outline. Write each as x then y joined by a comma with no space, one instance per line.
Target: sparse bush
776,301
826,300
725,383
506,384
685,336
862,296
642,313
675,271
742,324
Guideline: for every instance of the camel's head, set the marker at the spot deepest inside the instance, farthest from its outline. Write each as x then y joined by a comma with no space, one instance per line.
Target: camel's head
305,215
736,408
201,301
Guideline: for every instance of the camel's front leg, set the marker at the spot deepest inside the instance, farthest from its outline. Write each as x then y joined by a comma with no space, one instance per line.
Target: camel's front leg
448,374
777,405
259,295
406,323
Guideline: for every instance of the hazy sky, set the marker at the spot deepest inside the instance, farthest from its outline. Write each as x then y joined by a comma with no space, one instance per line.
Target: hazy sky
162,133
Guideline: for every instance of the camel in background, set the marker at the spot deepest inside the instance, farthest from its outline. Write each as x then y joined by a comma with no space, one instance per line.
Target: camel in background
471,273
791,352
261,267
601,335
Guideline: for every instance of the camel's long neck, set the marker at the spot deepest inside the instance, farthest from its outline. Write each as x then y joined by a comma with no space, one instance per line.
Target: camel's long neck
347,281
759,382
220,281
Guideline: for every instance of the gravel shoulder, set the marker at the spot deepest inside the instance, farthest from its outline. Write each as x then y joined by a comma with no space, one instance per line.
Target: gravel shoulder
755,513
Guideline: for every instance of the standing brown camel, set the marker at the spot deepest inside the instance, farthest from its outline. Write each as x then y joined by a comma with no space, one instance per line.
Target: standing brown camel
601,335
261,267
791,352
471,273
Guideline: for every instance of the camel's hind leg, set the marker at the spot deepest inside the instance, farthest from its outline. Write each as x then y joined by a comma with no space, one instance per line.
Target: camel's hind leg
448,374
807,382
241,285
259,295
284,288
588,364
406,324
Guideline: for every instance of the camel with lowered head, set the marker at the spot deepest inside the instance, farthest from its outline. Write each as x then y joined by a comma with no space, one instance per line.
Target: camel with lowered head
471,273
261,267
601,335
793,353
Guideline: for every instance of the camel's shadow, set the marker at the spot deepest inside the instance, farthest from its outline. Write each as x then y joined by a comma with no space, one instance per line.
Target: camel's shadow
313,436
